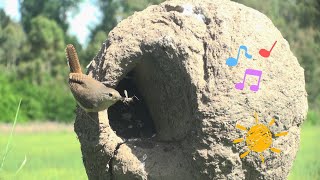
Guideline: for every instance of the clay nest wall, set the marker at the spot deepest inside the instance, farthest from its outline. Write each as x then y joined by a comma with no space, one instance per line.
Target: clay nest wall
173,58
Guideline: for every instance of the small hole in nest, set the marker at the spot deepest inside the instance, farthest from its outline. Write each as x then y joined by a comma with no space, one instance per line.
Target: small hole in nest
131,120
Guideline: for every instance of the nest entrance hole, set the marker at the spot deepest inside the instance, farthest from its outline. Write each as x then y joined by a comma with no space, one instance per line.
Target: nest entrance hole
132,120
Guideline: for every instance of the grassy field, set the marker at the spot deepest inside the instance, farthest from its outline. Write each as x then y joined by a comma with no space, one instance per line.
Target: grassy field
307,163
50,156
56,155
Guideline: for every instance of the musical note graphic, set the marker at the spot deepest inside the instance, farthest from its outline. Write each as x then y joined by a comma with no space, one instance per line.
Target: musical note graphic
231,61
265,53
253,72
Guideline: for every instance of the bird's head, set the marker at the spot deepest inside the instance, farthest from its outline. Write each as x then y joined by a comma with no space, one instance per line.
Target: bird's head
113,95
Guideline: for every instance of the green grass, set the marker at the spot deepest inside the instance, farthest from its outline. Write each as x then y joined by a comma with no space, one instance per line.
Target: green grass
6,151
307,163
55,156
50,156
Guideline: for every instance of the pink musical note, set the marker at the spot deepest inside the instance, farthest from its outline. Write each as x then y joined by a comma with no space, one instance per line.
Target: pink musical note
253,72
265,53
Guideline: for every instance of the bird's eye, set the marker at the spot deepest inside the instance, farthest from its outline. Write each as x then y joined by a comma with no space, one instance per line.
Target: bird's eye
110,94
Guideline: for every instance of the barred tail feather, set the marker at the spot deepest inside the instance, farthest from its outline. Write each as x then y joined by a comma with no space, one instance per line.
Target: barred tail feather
73,59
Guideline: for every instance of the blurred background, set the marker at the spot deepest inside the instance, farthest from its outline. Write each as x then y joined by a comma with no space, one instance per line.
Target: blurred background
33,36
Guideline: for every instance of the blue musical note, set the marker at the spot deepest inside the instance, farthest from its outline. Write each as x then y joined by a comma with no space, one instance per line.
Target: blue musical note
231,61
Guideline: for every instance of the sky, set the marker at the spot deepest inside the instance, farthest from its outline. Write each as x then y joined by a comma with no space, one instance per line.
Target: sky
79,23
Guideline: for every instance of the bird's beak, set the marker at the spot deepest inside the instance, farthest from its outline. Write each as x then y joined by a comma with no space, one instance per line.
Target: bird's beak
122,98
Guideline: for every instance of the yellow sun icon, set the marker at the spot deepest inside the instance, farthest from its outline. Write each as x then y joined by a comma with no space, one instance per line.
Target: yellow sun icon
258,138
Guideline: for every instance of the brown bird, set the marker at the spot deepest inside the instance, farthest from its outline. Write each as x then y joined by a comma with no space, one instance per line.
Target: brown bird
90,94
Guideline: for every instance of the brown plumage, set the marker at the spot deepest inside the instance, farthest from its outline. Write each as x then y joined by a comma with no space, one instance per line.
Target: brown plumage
90,94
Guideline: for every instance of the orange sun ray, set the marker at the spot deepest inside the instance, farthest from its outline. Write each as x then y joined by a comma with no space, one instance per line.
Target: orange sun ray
241,127
244,154
281,134
238,140
271,122
262,157
276,150
256,117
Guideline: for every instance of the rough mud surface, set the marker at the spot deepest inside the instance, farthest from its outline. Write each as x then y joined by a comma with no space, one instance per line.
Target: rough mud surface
174,56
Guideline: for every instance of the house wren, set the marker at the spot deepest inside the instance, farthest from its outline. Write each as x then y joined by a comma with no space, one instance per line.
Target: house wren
90,94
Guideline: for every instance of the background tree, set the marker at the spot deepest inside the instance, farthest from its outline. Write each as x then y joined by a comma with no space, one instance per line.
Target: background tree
56,10
4,19
47,45
52,9
12,39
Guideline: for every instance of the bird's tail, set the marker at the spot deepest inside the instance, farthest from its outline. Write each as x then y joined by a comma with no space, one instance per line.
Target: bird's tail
73,59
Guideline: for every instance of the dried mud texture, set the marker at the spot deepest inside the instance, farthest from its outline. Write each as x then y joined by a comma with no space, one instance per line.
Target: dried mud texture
177,52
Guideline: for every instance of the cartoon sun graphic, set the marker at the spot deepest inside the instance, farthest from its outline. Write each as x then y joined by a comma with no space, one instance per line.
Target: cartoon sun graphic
259,138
